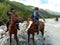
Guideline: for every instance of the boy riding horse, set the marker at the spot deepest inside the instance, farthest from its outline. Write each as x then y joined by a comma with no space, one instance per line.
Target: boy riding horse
35,17
9,13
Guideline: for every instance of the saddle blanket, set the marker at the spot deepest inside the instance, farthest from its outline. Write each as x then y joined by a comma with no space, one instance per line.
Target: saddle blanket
30,23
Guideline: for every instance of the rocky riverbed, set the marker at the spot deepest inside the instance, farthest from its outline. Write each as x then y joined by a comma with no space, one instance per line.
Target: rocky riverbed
52,34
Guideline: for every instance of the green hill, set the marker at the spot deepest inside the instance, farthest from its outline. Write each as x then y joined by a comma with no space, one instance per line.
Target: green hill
52,12
48,13
22,10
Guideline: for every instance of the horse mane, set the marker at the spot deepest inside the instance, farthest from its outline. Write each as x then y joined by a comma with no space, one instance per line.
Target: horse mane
13,18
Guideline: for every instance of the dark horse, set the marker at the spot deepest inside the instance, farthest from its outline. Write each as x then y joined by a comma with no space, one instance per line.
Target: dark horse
12,27
33,29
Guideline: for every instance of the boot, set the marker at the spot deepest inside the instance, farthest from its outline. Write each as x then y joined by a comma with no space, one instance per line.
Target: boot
37,29
17,26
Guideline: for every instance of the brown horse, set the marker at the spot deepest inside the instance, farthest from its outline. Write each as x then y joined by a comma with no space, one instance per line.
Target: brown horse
12,27
33,29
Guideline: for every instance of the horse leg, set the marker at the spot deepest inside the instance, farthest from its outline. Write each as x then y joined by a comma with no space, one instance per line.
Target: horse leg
33,38
10,39
42,31
28,38
16,38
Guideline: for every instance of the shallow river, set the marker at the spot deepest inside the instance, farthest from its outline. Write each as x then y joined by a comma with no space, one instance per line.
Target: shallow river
52,34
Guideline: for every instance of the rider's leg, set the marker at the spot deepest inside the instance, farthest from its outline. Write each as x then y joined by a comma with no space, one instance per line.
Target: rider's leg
7,24
37,23
17,25
37,27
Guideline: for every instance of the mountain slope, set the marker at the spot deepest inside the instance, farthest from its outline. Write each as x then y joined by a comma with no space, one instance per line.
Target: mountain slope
52,12
49,13
22,10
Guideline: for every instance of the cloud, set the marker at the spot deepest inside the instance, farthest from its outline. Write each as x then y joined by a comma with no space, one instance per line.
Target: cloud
54,4
45,4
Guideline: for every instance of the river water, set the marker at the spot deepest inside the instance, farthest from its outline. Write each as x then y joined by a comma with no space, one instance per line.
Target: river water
51,34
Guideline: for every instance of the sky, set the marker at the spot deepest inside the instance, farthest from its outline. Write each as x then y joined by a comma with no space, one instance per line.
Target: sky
53,5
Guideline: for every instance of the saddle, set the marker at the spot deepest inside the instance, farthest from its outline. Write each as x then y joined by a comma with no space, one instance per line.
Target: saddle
30,23
36,23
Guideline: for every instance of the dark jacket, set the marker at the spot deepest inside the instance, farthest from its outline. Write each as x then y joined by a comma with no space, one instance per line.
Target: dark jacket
37,16
9,15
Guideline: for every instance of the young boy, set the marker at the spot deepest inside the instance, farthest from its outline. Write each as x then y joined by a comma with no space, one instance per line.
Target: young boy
9,13
35,17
